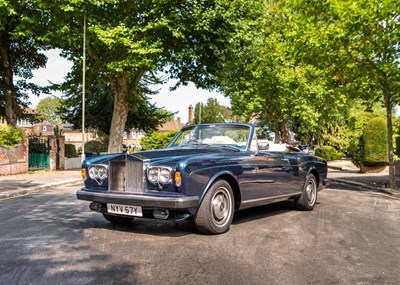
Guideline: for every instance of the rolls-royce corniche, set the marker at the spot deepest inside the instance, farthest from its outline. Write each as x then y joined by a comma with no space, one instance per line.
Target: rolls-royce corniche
206,173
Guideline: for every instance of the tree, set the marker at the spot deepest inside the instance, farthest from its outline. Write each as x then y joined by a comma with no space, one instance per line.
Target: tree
22,23
48,110
128,39
279,77
156,140
99,105
363,38
312,59
373,31
211,112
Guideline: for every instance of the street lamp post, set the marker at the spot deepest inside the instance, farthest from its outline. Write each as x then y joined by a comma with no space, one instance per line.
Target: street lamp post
83,88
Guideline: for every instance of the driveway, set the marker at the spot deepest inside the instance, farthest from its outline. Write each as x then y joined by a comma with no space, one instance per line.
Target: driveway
351,237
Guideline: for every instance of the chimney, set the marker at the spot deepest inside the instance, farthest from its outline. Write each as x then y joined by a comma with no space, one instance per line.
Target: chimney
190,114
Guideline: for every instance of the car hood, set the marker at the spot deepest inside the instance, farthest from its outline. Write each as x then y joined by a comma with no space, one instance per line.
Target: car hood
164,154
179,153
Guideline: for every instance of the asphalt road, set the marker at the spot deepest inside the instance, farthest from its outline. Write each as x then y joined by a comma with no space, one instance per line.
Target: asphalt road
351,237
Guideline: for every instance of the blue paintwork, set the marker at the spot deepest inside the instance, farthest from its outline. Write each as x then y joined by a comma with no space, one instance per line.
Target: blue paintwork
253,174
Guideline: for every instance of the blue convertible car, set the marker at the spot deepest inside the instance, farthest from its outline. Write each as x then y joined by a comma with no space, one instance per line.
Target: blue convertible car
206,173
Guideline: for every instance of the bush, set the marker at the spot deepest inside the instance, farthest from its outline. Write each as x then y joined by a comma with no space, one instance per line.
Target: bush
328,153
10,136
156,140
376,143
95,146
397,149
38,145
70,151
356,152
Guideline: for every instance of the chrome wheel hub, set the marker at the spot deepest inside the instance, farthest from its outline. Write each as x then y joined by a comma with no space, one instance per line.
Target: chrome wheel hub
311,192
221,206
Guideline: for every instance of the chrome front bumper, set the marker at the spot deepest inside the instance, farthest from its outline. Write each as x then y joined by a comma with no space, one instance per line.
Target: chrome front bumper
143,200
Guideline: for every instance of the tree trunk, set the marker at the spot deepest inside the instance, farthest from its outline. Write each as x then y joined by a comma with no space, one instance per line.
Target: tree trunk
122,90
389,109
120,115
8,87
284,131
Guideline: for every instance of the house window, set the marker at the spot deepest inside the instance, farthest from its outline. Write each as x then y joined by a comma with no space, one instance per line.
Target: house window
44,128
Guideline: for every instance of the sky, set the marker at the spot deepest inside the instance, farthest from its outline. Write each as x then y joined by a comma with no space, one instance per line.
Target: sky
174,101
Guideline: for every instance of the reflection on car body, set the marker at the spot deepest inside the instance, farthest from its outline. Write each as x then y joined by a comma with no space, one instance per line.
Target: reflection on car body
206,172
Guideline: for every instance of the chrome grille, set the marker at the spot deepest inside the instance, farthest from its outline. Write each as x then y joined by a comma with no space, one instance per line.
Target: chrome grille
126,175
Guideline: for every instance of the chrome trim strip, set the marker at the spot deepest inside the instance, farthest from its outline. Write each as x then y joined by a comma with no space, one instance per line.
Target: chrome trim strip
268,200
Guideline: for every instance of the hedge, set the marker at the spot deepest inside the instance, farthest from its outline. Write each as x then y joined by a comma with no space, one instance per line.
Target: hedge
376,143
328,153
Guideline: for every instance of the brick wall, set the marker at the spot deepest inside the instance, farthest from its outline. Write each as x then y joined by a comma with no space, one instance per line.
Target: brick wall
15,160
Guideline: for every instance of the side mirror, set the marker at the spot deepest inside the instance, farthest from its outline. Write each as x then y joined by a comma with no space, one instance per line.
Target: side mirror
263,147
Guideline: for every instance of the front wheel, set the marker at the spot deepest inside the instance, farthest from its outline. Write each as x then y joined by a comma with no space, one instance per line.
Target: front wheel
308,198
215,213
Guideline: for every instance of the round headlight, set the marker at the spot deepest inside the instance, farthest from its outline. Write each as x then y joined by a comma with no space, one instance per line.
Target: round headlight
98,172
165,176
102,173
152,175
93,172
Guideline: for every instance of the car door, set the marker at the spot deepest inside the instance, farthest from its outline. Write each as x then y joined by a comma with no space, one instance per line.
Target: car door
277,174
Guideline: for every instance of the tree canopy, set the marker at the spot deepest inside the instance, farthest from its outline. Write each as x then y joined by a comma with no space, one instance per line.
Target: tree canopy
48,109
99,100
309,61
296,65
184,39
211,112
22,24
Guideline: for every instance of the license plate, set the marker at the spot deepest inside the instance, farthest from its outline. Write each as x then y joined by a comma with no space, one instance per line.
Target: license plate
127,210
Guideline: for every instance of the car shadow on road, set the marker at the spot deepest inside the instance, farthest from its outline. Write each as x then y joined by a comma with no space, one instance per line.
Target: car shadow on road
346,187
166,228
263,212
169,228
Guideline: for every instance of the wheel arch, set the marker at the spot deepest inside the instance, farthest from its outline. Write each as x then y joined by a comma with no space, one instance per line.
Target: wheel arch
315,172
231,179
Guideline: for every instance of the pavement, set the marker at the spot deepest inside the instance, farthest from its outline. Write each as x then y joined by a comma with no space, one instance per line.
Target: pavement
344,172
36,181
341,171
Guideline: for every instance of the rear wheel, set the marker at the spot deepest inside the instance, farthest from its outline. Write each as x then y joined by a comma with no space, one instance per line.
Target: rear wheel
117,220
308,198
215,213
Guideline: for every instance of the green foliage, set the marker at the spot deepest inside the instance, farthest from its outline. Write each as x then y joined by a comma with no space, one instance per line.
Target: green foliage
356,151
48,110
156,140
70,151
376,143
38,145
99,106
211,112
10,136
397,150
96,147
328,153
126,41
22,24
344,132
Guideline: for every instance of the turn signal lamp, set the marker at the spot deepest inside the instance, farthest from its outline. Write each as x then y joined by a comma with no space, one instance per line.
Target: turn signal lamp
178,178
83,173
